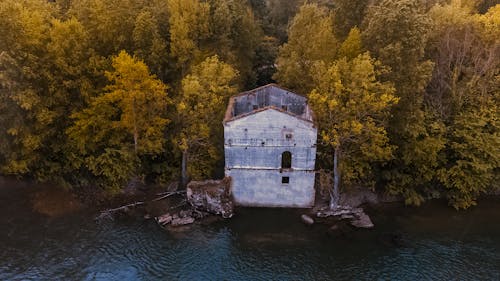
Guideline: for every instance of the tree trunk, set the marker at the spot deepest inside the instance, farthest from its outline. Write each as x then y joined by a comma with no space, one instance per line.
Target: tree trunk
184,168
334,194
136,134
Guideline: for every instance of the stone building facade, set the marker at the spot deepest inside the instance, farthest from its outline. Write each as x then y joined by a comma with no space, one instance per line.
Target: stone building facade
270,148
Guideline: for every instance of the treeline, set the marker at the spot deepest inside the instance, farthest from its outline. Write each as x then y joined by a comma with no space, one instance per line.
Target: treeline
101,92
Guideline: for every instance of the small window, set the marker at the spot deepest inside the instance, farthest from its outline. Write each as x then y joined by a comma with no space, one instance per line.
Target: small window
289,136
285,180
255,107
284,107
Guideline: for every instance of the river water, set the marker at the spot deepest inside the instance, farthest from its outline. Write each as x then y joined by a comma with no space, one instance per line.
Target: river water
434,242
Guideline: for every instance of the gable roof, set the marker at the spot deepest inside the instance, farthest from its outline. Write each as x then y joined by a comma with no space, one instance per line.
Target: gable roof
267,97
270,85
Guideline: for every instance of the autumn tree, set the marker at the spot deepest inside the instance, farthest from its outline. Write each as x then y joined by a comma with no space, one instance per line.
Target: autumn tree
417,135
149,44
235,36
464,95
189,26
200,108
310,39
348,14
352,107
123,124
44,75
352,46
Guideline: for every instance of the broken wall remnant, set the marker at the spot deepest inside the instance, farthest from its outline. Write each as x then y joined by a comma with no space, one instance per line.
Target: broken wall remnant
212,196
270,148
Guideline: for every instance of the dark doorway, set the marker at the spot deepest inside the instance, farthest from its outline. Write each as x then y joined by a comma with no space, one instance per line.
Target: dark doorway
286,160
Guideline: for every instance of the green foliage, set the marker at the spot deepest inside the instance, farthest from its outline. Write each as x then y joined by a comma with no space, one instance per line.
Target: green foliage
188,20
464,93
352,107
351,47
405,27
310,40
200,109
126,122
473,155
148,43
348,14
234,36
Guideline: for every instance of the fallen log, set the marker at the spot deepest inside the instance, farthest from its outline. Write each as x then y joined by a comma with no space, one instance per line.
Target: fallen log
108,214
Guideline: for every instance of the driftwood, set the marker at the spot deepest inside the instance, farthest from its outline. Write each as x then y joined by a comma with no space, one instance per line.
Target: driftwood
108,214
167,194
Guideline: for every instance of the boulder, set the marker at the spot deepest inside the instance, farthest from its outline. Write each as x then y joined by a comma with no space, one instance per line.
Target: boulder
182,221
212,196
307,219
362,220
164,219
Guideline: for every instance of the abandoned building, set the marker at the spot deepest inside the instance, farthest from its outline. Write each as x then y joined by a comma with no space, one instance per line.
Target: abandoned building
270,148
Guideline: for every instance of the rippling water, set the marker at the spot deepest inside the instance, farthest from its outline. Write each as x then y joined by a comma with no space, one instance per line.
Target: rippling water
437,243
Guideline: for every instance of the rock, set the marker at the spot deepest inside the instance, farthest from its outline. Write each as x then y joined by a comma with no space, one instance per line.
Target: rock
307,219
199,214
182,221
185,213
362,221
164,219
211,196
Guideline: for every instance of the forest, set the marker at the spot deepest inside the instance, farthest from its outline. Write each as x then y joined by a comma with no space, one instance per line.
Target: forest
101,92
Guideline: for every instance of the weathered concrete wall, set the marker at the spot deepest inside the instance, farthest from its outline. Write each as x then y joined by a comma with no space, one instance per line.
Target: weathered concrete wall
303,158
253,149
271,127
263,188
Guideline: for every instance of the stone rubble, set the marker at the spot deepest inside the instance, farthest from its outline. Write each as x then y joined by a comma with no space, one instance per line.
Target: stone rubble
205,198
212,196
358,218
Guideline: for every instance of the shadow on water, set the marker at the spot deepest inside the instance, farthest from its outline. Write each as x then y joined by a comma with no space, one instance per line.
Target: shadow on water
432,242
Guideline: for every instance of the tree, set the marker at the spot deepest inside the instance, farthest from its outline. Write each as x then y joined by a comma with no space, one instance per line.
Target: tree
464,94
35,88
200,109
351,47
473,155
123,124
352,108
188,21
413,130
110,23
279,16
349,14
234,36
148,43
310,39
